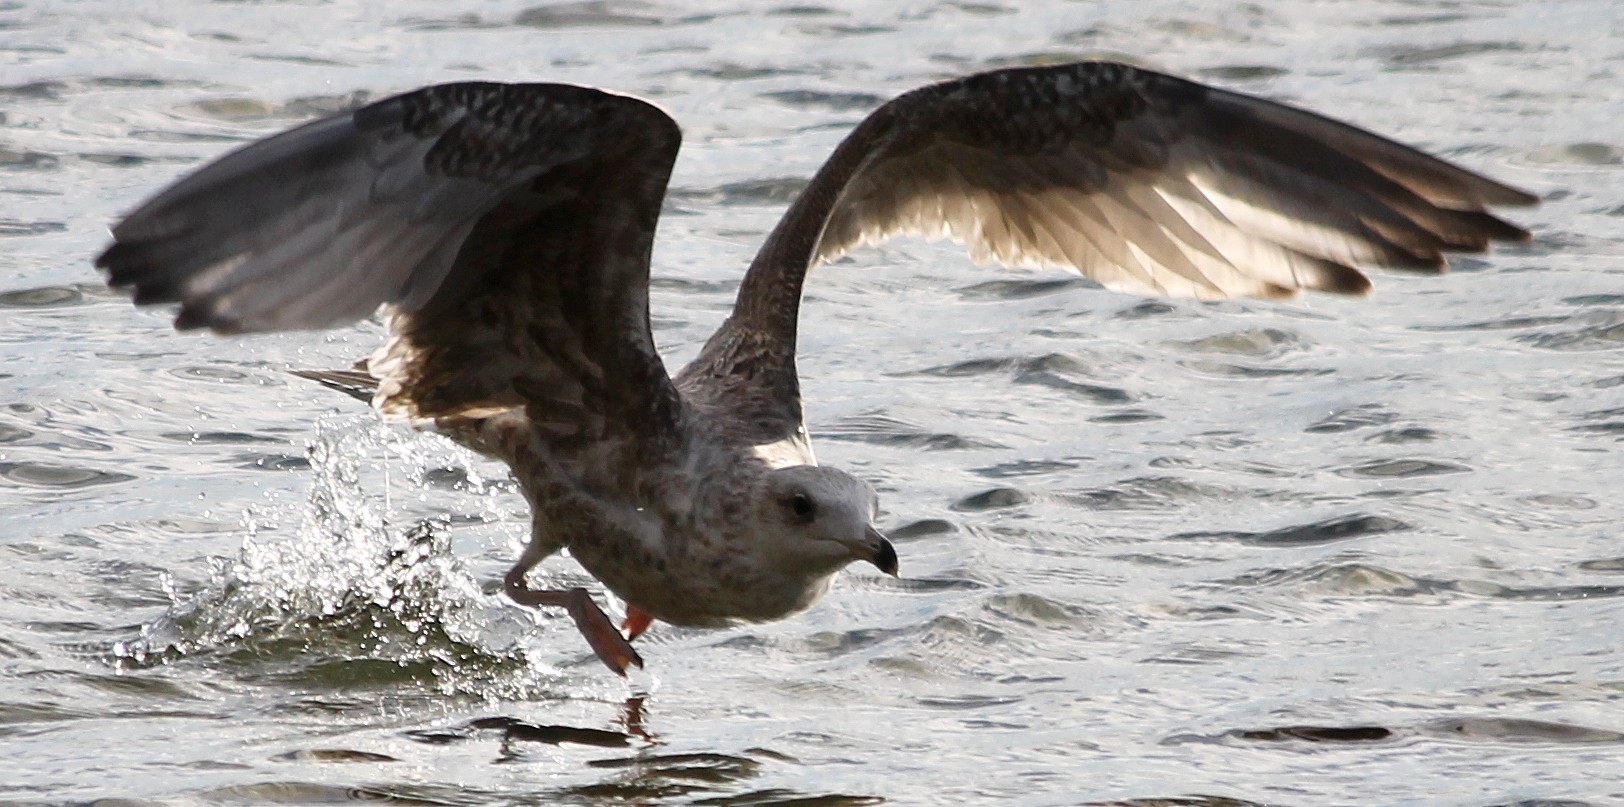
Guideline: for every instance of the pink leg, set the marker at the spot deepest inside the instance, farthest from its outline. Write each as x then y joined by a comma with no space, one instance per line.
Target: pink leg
613,650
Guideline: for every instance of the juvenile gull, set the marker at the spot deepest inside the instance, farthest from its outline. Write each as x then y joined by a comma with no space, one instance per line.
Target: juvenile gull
507,228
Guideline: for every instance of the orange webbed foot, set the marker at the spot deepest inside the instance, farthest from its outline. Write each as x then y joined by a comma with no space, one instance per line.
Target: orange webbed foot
637,620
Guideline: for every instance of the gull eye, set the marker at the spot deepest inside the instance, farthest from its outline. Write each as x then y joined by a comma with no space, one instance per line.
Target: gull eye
802,506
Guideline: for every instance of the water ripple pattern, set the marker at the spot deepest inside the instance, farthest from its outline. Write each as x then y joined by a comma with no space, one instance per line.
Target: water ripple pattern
1154,552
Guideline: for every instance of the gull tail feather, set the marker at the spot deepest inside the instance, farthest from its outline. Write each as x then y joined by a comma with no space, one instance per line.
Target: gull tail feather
360,384
356,383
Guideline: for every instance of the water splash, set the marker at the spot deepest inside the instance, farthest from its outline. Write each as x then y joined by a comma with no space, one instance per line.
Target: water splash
351,598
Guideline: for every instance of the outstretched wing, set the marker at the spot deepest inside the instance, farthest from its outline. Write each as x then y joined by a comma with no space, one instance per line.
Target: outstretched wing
1153,184
1142,181
508,229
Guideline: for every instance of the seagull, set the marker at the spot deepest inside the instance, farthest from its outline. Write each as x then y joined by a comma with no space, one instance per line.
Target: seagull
505,230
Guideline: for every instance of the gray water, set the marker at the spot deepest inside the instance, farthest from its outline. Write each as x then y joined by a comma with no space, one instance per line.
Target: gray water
1154,552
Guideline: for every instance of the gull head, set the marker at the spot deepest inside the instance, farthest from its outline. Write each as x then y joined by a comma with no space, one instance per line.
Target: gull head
813,520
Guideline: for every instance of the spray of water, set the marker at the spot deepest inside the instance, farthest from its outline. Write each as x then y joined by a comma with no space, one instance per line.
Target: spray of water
360,593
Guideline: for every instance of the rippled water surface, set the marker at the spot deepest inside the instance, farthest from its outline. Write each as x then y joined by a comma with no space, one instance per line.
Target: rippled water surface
1154,552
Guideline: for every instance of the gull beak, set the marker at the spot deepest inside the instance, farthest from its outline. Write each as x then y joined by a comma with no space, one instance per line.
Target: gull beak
875,549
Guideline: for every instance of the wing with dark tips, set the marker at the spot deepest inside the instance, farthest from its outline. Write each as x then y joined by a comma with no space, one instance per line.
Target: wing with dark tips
1142,181
1154,184
506,228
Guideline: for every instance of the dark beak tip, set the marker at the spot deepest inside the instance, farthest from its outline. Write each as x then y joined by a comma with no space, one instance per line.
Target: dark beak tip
886,559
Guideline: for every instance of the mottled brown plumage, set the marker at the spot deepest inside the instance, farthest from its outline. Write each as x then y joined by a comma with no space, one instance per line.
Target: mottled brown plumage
507,230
